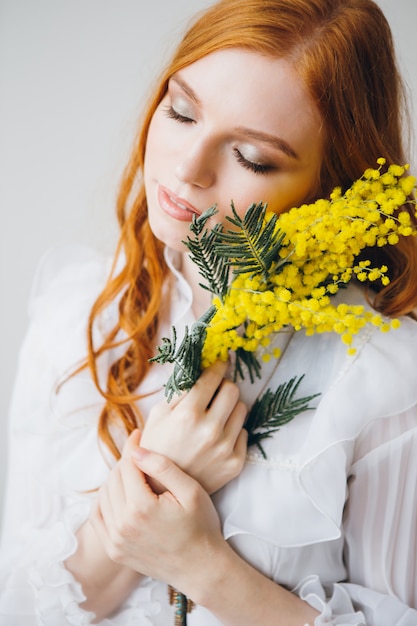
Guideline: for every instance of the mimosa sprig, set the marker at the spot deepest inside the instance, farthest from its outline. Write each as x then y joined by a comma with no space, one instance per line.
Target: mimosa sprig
270,273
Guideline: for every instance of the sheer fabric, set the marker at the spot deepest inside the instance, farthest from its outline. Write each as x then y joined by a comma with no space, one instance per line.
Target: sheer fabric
331,513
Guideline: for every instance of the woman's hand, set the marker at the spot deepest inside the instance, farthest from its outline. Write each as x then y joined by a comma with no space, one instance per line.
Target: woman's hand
175,537
162,536
202,430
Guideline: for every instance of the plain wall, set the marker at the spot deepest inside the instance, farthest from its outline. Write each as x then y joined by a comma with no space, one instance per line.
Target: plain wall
73,74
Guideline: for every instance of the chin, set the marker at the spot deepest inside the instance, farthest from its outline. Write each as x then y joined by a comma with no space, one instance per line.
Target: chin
169,235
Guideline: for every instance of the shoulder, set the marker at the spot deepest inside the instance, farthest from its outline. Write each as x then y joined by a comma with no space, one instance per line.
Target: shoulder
53,421
67,282
68,267
377,382
317,447
381,355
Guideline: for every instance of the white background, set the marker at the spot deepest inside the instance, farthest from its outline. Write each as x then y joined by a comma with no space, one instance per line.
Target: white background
73,75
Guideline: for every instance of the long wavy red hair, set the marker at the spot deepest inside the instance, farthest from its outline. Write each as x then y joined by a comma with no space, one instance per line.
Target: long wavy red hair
344,53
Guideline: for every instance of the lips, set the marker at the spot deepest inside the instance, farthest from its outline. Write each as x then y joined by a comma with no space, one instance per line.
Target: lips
175,206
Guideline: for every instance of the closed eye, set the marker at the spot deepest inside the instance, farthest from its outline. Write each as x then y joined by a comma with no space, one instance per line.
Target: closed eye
174,115
257,168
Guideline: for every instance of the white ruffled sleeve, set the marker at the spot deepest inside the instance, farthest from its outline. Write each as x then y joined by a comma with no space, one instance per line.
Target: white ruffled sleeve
380,522
54,457
379,532
380,535
43,506
331,512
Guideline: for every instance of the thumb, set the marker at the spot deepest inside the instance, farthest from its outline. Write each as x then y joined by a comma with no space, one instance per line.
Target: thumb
165,472
132,442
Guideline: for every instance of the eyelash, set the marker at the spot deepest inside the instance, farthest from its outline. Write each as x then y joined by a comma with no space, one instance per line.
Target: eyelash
256,168
174,115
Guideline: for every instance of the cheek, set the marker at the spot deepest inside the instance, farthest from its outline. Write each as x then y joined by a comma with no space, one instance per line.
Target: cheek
278,197
284,197
152,140
243,188
285,200
159,134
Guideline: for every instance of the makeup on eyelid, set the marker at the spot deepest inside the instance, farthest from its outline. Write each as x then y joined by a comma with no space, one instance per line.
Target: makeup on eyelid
179,108
233,126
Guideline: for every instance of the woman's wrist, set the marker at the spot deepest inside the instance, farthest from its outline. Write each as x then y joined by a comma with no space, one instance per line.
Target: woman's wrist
105,583
210,574
239,595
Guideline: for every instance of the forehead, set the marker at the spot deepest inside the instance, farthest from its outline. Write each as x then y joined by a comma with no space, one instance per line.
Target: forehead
251,87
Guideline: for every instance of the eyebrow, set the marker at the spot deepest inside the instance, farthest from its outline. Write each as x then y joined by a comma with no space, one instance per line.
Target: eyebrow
186,88
275,142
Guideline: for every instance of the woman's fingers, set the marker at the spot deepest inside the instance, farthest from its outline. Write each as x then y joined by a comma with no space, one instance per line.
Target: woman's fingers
158,535
226,404
145,531
132,441
135,484
120,503
121,489
202,432
184,508
240,450
176,482
234,425
206,387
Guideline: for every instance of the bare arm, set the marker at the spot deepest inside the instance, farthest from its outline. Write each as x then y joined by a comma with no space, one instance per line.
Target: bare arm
239,595
182,527
105,584
202,432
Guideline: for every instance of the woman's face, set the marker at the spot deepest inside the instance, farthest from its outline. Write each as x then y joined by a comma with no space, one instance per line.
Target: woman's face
233,126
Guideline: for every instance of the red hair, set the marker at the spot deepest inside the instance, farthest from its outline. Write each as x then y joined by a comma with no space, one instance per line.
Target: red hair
344,53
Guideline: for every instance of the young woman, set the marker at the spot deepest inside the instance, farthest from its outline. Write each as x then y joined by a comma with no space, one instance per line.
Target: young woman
115,496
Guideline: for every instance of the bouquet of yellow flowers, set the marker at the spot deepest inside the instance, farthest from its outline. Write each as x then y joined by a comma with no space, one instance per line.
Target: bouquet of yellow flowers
272,272
314,250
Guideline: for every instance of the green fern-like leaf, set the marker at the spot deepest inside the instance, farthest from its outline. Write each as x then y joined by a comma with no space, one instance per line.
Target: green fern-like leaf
253,245
202,246
166,351
187,358
246,361
274,409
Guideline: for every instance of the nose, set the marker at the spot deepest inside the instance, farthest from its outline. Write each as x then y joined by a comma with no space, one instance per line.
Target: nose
196,165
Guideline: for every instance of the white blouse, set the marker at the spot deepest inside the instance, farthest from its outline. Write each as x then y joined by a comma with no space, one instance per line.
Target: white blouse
330,513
